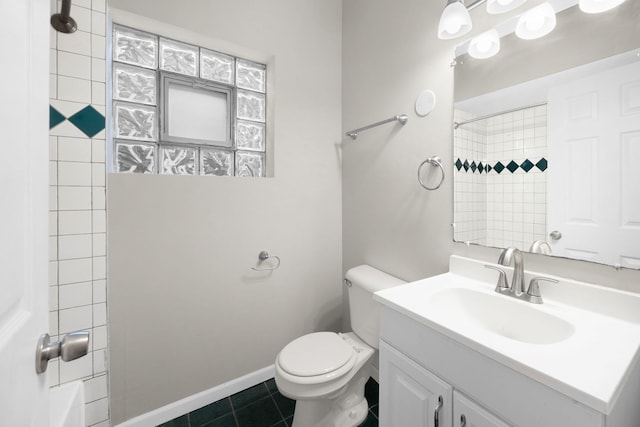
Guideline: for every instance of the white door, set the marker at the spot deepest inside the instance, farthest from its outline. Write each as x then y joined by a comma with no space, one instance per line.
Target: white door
593,176
468,414
411,396
24,92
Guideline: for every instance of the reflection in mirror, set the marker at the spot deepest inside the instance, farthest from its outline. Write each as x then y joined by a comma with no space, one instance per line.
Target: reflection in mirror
547,141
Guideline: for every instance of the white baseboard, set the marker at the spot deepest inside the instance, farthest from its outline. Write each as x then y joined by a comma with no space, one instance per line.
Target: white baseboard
196,401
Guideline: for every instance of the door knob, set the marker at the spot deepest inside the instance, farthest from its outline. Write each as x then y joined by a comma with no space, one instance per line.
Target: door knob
555,235
72,346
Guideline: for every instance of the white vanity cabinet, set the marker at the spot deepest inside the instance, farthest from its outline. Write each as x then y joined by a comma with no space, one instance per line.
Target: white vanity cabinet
419,364
411,396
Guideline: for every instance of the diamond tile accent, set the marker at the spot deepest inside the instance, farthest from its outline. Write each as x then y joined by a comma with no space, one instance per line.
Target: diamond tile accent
466,165
480,167
488,168
458,164
542,164
473,166
512,166
55,118
498,167
526,165
88,120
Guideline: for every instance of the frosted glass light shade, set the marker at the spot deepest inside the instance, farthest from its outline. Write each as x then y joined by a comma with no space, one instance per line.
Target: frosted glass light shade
455,20
502,6
597,6
537,22
485,45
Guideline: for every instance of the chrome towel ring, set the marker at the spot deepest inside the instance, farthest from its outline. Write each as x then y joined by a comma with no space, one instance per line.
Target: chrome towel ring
433,161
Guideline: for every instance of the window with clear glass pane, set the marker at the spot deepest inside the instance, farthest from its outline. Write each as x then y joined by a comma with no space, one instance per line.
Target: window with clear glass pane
182,109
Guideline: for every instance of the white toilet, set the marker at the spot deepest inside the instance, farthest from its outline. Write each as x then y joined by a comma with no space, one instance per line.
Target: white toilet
326,372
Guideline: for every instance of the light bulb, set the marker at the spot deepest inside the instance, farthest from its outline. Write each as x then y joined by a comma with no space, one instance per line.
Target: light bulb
455,20
452,26
485,45
502,6
537,22
504,2
597,6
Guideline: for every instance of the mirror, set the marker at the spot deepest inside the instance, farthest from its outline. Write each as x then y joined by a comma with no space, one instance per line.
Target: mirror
547,141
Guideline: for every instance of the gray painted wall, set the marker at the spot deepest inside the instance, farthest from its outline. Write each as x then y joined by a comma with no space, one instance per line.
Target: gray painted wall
186,311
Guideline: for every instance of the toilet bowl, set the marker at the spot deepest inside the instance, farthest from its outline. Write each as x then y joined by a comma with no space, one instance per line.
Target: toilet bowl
325,372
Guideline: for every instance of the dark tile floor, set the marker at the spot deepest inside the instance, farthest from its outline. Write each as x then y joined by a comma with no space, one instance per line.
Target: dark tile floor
260,406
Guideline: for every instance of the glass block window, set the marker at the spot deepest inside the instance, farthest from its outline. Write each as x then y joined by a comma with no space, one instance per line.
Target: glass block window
181,109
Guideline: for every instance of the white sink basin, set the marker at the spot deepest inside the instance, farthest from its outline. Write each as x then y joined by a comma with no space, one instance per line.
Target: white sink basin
581,341
499,314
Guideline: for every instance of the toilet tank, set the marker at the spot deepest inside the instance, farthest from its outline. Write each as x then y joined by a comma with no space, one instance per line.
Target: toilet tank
362,282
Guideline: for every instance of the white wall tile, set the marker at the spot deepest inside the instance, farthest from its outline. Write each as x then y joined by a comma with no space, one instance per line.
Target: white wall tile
96,411
99,5
82,3
99,361
98,153
98,23
53,273
74,149
53,86
95,388
53,173
78,42
99,221
98,93
53,198
98,195
98,176
53,298
75,295
75,271
82,16
74,198
98,46
74,65
99,337
53,223
66,128
53,248
53,372
53,323
99,314
76,319
99,291
74,173
53,148
73,89
99,267
76,369
74,222
98,70
99,244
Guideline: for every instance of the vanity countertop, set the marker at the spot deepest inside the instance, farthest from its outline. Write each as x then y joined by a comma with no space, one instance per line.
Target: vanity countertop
593,337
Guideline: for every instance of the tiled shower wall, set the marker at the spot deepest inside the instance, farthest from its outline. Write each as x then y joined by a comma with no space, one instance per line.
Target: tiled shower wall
500,180
77,201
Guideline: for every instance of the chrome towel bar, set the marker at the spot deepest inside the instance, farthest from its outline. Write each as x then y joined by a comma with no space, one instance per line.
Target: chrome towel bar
402,118
264,256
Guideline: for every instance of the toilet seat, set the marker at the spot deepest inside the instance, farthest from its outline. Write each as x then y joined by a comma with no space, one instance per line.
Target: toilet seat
320,354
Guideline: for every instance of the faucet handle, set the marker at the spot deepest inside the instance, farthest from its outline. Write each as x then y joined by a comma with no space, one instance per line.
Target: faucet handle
533,293
503,284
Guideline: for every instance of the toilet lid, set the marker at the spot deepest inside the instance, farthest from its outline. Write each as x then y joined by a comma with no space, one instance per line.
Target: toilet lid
315,354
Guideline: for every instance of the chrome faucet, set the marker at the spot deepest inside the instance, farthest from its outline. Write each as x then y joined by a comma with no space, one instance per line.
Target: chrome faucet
506,257
517,288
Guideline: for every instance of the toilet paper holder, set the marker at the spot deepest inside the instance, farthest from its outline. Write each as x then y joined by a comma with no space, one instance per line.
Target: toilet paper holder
264,256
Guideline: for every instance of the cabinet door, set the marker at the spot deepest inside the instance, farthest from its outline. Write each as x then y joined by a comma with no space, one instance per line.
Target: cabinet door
468,414
411,396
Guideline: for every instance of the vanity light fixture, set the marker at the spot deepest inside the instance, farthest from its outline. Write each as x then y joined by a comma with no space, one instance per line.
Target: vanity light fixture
455,20
537,22
597,6
502,6
485,45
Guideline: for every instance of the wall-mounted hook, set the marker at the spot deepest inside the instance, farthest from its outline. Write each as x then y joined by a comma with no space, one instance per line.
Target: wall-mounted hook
264,256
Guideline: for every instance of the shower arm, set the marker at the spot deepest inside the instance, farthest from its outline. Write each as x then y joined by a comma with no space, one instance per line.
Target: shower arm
62,21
